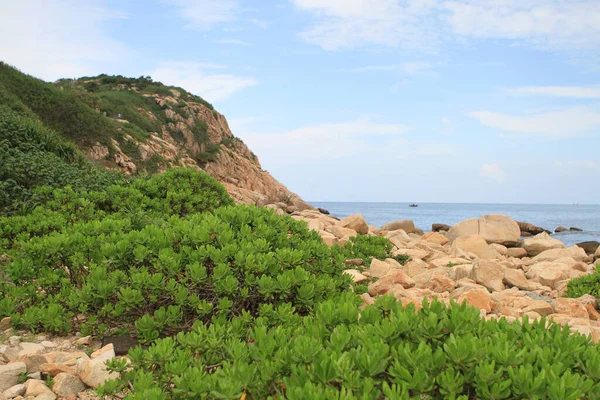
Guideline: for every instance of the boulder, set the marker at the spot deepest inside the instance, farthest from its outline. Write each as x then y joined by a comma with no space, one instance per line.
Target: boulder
357,277
9,374
379,268
5,324
549,273
340,232
526,227
440,227
478,298
488,273
435,237
571,307
93,373
17,390
540,243
516,252
463,228
590,247
406,225
597,253
474,244
36,387
575,253
539,306
501,229
323,211
395,277
516,278
575,229
413,253
560,229
448,261
355,222
105,353
28,348
398,237
54,369
66,384
414,268
499,249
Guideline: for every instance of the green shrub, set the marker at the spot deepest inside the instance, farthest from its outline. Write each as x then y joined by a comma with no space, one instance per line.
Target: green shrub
587,284
385,351
365,247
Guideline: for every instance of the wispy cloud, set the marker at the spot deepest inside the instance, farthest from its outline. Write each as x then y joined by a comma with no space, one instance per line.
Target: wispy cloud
50,43
193,77
238,42
493,172
205,14
564,123
579,92
586,164
425,24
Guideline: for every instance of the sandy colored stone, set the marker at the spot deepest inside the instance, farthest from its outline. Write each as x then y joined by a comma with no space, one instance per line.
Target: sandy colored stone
414,268
105,353
9,374
85,341
413,253
93,373
54,369
28,348
435,237
355,222
5,323
541,242
328,238
35,387
488,273
66,384
357,277
574,252
388,281
478,298
570,307
406,225
33,362
448,260
379,268
516,278
516,252
474,244
592,312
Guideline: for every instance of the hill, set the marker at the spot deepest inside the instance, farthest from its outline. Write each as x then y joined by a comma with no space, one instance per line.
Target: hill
138,126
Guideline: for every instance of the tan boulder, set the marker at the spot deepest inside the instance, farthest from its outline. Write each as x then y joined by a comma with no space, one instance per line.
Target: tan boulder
413,253
316,225
356,222
448,261
571,307
462,271
435,237
328,238
10,374
93,373
489,273
574,252
478,298
393,278
499,249
541,242
36,387
379,268
439,283
597,253
549,274
54,369
592,312
357,277
340,232
463,228
66,384
474,244
406,225
399,238
501,229
540,306
516,252
415,267
516,278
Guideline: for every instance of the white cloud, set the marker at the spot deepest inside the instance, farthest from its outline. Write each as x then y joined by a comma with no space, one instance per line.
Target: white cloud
52,40
205,14
238,42
423,24
579,92
192,77
493,172
585,164
565,123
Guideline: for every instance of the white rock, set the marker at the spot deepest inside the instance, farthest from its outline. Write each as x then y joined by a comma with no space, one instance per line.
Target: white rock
93,373
9,374
17,390
66,384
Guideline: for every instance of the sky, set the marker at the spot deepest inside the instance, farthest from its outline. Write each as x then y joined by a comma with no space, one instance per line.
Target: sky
494,101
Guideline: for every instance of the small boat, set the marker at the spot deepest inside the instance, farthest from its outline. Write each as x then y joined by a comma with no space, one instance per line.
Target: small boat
413,205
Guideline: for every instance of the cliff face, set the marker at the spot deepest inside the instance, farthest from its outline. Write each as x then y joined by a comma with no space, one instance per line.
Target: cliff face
159,127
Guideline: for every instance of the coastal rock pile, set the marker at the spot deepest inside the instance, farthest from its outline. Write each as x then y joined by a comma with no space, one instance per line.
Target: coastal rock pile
76,366
479,260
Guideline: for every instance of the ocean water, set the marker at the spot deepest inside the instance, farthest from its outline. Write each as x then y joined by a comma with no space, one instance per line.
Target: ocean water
586,217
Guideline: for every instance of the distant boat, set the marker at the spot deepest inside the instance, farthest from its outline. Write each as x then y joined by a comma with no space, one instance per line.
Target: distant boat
413,205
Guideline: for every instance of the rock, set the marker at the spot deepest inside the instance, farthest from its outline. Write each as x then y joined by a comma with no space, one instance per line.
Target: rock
323,211
328,238
413,253
33,362
93,373
54,369
576,253
516,252
105,353
560,229
340,232
500,229
540,243
540,306
379,268
516,278
414,268
5,324
435,237
49,345
357,277
66,384
9,374
592,312
28,348
463,228
355,222
34,388
395,277
474,244
84,341
488,273
449,261
17,390
439,283
478,298
574,229
440,227
529,228
571,307
597,253
499,249
354,261
406,225
590,247
398,237
46,396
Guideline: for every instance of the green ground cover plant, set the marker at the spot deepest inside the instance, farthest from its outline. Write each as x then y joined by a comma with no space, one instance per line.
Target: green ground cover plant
587,284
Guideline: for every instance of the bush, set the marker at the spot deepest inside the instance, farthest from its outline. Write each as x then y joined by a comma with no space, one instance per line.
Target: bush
385,351
587,284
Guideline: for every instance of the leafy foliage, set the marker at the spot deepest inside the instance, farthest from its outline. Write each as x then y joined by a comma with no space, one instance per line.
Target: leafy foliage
587,284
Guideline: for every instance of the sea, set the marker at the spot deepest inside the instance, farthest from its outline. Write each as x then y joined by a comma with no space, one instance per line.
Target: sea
586,217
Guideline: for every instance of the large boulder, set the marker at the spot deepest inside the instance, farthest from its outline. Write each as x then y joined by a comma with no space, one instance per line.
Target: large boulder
590,247
386,283
435,237
474,244
489,273
10,374
478,298
597,253
574,252
406,225
355,222
440,227
494,228
540,243
529,228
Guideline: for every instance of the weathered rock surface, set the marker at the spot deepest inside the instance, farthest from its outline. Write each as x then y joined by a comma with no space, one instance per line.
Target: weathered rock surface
475,244
589,247
494,228
540,243
66,384
9,374
440,227
529,228
406,225
355,222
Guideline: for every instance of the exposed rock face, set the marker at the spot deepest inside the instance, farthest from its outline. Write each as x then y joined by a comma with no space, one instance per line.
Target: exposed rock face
590,247
529,228
440,227
540,243
406,225
494,228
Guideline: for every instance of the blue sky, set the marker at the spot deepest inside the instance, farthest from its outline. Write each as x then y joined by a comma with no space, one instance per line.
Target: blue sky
360,100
